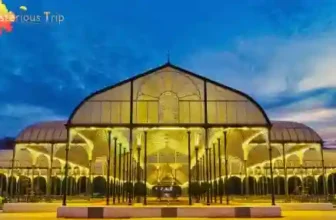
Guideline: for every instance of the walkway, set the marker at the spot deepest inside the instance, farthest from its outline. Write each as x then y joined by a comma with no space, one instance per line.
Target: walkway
307,215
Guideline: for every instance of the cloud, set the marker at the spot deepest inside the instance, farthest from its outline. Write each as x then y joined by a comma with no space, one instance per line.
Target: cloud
17,116
269,66
315,115
312,111
24,110
294,78
322,74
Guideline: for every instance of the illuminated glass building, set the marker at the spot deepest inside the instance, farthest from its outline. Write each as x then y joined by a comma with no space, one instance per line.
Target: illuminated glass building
173,130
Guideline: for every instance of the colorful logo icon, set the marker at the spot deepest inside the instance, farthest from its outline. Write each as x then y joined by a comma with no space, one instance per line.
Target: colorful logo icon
6,18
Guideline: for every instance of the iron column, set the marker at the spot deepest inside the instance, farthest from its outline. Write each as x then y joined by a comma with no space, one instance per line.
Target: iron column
114,171
65,189
226,168
145,168
108,168
189,169
220,190
271,165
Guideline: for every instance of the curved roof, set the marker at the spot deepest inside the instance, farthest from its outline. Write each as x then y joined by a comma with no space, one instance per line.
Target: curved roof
100,107
281,132
45,132
290,132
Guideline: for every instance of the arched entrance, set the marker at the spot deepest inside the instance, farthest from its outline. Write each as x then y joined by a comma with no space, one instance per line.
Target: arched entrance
82,185
24,185
99,186
55,186
3,184
294,185
40,185
252,186
234,185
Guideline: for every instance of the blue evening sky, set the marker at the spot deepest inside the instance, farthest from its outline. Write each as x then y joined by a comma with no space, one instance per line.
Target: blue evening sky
281,52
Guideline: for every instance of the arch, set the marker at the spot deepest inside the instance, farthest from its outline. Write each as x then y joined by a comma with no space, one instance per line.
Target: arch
105,95
234,185
320,185
251,184
293,161
309,183
279,185
99,186
42,160
3,184
294,185
55,186
259,154
24,184
12,182
71,189
77,155
82,182
332,184
264,185
57,163
234,144
40,185
24,157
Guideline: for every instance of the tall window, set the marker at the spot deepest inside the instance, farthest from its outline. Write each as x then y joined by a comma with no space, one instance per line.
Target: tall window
168,107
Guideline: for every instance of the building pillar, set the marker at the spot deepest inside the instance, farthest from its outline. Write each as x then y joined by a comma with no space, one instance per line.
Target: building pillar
90,180
71,180
247,191
226,186
1,185
215,189
332,184
210,173
197,175
124,174
269,146
12,174
189,169
284,162
128,176
8,184
145,167
302,178
119,173
325,185
207,167
108,168
114,171
278,184
49,176
138,174
32,181
203,174
315,184
65,188
220,186
130,163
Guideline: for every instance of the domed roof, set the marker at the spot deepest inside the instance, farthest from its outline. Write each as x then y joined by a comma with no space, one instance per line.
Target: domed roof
290,132
281,132
45,132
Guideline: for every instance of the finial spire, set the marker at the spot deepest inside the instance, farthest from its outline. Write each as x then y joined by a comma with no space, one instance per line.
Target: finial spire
168,56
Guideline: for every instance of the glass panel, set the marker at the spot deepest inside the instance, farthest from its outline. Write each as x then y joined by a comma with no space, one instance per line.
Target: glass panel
178,96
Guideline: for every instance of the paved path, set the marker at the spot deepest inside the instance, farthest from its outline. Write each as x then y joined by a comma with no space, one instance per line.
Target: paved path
307,215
